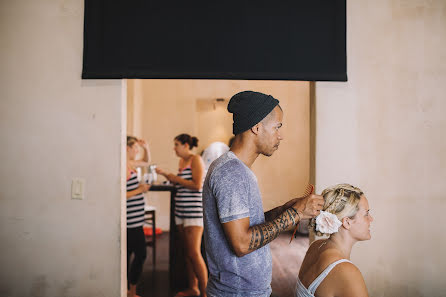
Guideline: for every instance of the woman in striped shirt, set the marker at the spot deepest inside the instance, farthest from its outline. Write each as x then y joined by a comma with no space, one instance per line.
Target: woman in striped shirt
189,211
136,241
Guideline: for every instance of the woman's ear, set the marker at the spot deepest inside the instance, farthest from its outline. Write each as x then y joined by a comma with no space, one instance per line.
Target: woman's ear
346,223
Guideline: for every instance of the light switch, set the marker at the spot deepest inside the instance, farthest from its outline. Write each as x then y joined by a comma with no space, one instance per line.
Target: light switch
78,188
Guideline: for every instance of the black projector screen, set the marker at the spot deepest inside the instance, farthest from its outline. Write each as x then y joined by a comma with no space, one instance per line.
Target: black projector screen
268,40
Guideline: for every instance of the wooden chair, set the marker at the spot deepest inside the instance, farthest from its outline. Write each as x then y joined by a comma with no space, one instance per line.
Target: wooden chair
149,219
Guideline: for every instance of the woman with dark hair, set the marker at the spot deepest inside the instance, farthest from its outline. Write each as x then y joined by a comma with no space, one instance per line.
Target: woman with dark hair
189,211
136,242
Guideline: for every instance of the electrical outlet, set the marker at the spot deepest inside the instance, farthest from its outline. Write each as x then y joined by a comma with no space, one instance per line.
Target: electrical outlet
78,188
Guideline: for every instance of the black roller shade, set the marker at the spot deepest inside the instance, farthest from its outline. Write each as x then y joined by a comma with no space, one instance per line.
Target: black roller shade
267,40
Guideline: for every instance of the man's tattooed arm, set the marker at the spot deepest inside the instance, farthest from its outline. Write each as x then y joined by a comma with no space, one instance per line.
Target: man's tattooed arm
275,212
267,232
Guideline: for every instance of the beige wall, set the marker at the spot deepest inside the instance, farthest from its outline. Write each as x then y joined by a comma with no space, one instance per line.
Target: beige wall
171,107
384,130
55,127
213,122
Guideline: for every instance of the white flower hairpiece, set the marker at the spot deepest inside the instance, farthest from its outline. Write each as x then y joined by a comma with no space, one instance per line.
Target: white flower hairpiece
327,223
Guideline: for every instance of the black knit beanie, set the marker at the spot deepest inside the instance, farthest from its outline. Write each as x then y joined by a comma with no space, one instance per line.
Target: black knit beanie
249,108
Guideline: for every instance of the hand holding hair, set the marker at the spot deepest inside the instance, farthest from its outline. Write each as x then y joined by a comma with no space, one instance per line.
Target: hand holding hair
310,206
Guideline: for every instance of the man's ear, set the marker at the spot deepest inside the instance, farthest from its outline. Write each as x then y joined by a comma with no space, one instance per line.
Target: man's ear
256,128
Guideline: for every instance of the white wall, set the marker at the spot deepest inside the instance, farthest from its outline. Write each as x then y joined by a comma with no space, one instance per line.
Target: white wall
384,131
53,127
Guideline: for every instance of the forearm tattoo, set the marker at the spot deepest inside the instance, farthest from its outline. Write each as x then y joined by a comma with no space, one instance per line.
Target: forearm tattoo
267,232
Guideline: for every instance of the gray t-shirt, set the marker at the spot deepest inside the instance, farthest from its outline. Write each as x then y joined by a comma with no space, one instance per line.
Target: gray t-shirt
231,192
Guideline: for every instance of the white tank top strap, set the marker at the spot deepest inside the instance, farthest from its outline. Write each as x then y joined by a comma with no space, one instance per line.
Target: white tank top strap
315,284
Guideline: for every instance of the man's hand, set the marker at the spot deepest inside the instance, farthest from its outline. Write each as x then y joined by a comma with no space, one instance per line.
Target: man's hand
310,206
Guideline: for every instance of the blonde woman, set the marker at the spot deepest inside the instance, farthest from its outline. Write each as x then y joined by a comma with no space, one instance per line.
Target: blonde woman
326,270
136,242
189,211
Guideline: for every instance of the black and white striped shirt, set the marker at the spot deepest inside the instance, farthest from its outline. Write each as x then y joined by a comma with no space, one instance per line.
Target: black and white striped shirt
135,204
188,202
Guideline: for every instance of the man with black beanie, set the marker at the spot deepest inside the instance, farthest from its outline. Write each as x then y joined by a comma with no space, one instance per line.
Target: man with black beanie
236,230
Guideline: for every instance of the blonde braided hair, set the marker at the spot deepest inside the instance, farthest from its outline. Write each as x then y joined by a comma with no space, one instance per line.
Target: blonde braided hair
341,200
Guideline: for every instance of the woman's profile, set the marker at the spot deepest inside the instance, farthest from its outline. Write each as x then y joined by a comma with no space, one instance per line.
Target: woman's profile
326,270
189,211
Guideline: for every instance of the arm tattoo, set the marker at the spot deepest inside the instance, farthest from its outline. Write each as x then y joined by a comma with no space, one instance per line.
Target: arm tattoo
268,231
273,213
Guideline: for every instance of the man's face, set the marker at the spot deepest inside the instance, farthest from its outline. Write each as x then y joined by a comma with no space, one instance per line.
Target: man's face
269,135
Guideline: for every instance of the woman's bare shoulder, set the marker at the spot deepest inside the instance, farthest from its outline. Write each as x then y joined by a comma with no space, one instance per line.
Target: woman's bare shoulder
197,161
316,243
317,259
347,270
346,280
314,247
312,252
318,250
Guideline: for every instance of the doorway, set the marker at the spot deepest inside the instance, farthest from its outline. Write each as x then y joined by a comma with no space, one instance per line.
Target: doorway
159,110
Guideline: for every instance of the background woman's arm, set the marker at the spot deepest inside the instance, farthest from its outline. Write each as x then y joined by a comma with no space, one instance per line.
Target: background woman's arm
145,146
145,161
197,168
141,189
